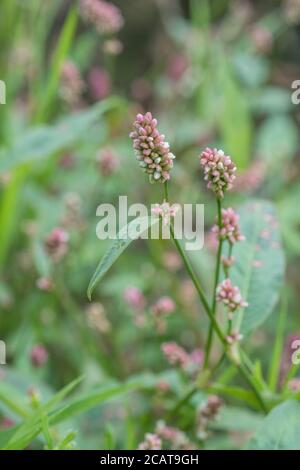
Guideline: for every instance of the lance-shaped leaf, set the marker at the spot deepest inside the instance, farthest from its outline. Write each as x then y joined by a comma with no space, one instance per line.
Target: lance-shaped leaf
280,430
126,235
259,267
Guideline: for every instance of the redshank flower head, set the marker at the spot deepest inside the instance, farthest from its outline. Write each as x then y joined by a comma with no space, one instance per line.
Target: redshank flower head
230,229
38,355
151,442
230,296
152,151
134,298
57,243
166,211
105,16
219,170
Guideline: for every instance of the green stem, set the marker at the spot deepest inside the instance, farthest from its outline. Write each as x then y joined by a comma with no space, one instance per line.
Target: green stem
185,399
278,345
205,304
214,302
192,274
226,268
253,387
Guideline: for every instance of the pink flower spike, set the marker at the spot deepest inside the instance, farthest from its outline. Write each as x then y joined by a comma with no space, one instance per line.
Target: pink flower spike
57,244
165,211
230,296
175,354
105,16
38,355
150,148
219,170
151,442
164,306
230,229
134,298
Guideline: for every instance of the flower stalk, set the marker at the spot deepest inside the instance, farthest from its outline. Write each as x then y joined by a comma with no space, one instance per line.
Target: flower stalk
217,276
215,326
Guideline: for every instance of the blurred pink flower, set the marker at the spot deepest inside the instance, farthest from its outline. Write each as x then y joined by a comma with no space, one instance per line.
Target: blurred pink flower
219,170
160,310
234,337
108,161
141,89
171,260
208,412
72,85
229,229
99,83
176,67
262,39
151,150
211,241
151,442
7,423
164,306
174,436
227,261
166,211
196,357
175,354
96,317
287,355
57,244
294,385
67,161
44,284
251,179
230,296
105,16
134,298
38,355
112,46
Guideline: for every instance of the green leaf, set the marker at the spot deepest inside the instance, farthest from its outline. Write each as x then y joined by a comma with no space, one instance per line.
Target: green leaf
280,430
42,141
126,235
288,209
272,100
236,392
235,119
259,267
91,399
277,140
32,426
13,400
251,69
232,418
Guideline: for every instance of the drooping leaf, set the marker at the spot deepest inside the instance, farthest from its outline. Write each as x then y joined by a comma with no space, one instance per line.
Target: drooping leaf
280,430
42,141
126,235
259,267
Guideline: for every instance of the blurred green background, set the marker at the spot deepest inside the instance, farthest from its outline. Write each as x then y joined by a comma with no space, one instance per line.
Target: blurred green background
214,73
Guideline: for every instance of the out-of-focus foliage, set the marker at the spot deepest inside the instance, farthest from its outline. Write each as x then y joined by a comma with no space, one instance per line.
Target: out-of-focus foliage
216,73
